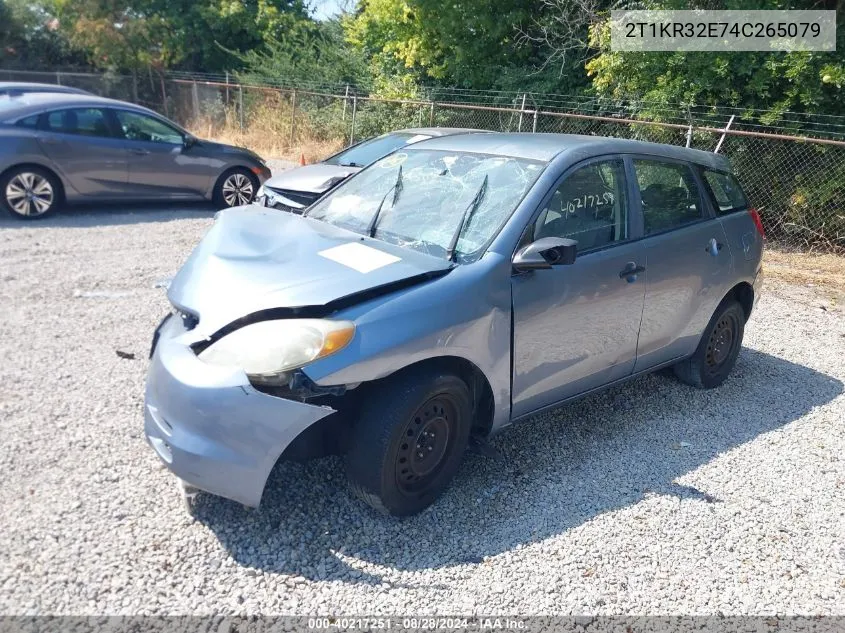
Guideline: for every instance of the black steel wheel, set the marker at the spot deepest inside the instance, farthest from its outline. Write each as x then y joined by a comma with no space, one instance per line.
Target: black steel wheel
409,441
718,350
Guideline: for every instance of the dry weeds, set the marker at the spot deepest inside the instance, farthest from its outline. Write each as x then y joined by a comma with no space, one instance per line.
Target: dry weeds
805,268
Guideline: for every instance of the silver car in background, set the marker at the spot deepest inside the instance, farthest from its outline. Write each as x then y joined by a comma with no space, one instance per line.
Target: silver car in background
57,148
296,189
18,88
451,289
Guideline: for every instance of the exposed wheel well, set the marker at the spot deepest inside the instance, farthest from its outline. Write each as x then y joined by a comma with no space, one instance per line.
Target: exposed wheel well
331,434
744,293
232,169
479,387
61,185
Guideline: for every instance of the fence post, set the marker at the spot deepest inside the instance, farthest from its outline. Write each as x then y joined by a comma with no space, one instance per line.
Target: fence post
196,99
135,86
241,106
345,100
163,95
354,113
521,110
227,88
293,117
431,115
724,133
58,78
534,127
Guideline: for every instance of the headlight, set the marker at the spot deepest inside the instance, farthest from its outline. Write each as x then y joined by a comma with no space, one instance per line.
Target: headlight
268,349
261,192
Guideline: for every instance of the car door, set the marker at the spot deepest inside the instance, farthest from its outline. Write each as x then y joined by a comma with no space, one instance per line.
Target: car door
687,255
85,149
160,164
575,326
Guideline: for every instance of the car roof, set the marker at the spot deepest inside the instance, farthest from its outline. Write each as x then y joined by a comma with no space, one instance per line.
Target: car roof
435,132
33,86
35,102
545,147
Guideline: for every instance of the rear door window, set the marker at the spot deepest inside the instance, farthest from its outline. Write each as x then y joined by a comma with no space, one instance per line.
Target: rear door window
669,195
79,121
726,191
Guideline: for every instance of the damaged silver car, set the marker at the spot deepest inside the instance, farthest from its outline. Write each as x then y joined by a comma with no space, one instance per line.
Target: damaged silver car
445,292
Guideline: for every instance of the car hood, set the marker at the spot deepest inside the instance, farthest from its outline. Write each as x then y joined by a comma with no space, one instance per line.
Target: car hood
255,260
229,149
317,178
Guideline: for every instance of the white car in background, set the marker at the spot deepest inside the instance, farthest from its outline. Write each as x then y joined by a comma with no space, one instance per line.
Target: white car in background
296,189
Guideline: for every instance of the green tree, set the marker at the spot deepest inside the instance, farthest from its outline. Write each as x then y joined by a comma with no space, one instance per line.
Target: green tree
311,52
30,37
812,82
194,35
471,44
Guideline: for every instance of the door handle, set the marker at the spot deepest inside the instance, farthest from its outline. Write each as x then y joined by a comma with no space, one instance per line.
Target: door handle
139,152
713,247
631,271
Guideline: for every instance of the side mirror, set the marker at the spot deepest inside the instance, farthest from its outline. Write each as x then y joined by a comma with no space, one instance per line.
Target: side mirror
545,253
189,141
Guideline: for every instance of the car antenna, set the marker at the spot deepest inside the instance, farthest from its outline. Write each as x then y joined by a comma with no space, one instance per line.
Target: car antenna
467,216
396,189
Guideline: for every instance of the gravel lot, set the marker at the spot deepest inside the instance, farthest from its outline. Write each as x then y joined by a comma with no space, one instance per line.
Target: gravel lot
651,498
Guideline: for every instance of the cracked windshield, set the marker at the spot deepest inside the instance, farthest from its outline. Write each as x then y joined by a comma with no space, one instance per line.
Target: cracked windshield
446,204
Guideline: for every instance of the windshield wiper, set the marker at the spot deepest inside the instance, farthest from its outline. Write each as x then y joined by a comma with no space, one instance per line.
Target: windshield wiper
350,164
396,189
467,216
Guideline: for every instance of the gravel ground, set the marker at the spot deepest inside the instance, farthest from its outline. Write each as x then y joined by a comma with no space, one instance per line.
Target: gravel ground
650,498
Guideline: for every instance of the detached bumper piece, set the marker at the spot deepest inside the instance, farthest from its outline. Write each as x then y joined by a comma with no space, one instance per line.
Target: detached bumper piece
210,427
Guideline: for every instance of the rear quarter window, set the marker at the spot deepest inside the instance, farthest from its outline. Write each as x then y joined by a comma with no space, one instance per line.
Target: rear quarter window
30,122
727,193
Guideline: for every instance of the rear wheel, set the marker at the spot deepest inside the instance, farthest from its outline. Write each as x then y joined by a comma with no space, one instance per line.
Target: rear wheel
718,350
30,193
409,441
235,188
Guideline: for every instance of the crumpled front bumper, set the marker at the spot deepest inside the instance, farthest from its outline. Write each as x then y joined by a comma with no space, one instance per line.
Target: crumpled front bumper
210,427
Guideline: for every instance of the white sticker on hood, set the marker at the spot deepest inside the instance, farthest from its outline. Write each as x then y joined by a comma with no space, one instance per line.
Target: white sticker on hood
357,256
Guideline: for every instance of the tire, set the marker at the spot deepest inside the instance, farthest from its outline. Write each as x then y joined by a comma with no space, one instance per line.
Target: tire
30,193
409,441
235,187
718,350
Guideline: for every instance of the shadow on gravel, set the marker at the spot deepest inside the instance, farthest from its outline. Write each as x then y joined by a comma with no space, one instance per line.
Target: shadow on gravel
555,472
113,214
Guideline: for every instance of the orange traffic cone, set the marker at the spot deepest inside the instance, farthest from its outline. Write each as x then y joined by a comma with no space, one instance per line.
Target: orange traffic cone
302,158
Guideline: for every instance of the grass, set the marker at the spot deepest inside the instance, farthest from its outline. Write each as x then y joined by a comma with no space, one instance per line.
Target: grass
805,268
268,132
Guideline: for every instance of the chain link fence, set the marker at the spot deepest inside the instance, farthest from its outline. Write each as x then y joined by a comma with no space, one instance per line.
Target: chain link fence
795,180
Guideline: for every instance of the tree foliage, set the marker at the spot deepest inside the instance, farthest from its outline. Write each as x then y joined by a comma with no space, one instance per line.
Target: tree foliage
311,52
478,44
812,82
30,37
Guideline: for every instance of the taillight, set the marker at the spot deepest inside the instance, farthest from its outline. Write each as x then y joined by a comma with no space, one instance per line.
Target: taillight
755,215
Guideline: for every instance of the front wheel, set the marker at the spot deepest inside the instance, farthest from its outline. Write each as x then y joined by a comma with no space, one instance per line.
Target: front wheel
235,188
409,441
718,350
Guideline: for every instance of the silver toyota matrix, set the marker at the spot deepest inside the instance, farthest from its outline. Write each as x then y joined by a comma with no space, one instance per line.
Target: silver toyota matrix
450,289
